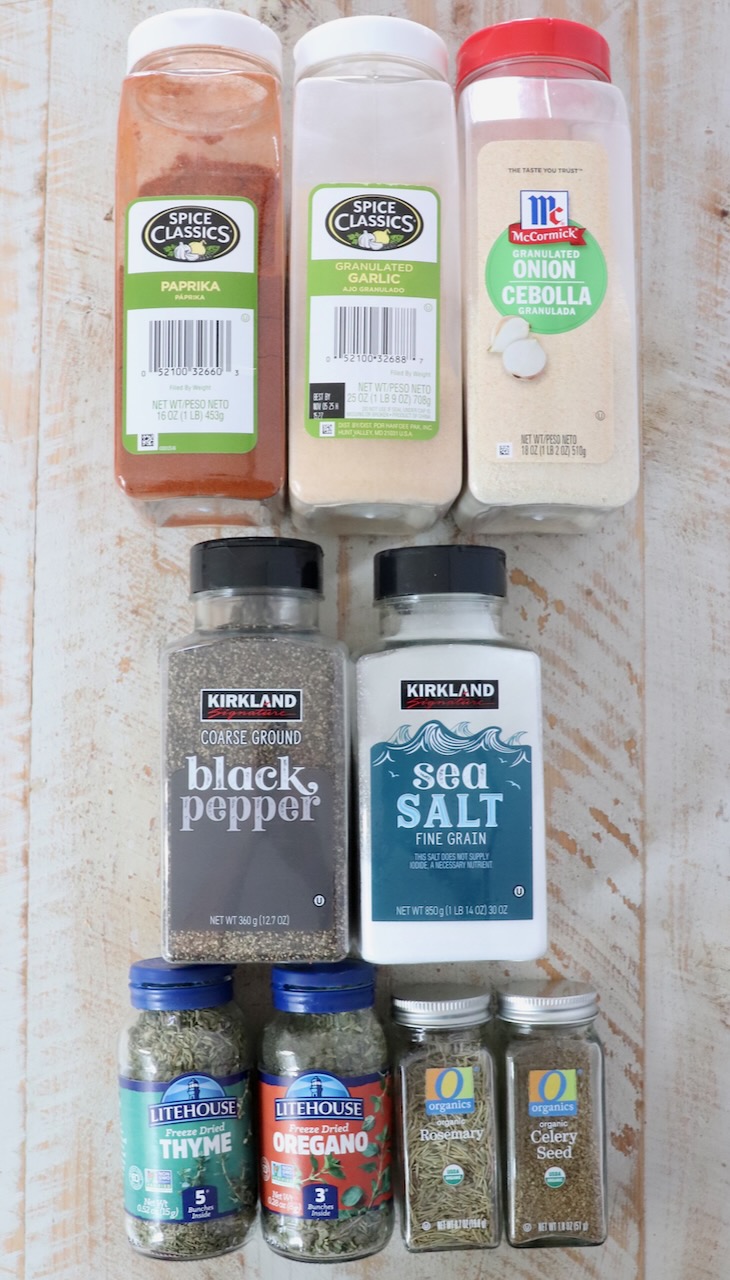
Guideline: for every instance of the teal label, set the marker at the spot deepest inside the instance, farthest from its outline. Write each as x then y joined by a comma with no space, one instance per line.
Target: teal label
187,1147
451,825
190,326
373,297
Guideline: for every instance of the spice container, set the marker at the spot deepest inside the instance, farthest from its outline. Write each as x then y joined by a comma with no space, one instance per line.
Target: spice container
325,1116
556,1145
185,1093
255,762
550,341
452,827
375,343
200,269
447,1119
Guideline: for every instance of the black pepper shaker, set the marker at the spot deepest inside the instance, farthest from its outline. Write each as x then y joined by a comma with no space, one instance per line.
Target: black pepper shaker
555,1115
256,752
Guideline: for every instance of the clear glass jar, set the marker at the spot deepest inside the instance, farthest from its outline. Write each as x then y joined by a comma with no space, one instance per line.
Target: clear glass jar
256,766
200,435
447,1119
555,1115
550,341
375,435
450,776
185,1093
325,1116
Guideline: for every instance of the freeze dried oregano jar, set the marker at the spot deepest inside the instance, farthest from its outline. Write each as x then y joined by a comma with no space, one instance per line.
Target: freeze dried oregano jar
325,1115
256,762
185,1093
556,1146
447,1121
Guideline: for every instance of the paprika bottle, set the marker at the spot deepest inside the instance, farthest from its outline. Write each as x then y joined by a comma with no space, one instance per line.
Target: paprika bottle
200,260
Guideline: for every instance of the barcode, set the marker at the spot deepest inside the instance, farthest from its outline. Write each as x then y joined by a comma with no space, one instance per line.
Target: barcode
190,344
375,331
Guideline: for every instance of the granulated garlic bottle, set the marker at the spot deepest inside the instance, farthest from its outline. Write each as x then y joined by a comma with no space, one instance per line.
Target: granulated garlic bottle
550,333
450,779
199,432
255,762
375,322
555,1108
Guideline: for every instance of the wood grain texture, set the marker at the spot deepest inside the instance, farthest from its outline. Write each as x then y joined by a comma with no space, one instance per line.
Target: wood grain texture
24,30
616,648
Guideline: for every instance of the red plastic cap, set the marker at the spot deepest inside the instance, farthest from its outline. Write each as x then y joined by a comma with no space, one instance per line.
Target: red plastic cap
547,38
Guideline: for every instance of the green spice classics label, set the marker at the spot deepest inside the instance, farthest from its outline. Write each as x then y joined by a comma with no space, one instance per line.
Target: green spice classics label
373,291
187,1147
548,319
325,1144
190,305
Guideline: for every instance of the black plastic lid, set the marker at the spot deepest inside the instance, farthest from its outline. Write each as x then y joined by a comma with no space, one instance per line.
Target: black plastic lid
415,571
230,563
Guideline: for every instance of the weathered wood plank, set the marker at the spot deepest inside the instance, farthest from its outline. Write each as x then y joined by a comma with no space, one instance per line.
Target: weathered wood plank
24,31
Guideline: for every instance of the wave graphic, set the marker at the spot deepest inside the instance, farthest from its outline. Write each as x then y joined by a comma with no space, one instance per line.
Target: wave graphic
435,737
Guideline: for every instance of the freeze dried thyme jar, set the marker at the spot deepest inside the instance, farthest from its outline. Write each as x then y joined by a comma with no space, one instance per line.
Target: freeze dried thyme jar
447,1118
325,1115
556,1146
185,1093
255,762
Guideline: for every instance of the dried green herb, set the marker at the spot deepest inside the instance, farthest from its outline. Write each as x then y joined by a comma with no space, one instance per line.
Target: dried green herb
160,1046
450,1164
342,1044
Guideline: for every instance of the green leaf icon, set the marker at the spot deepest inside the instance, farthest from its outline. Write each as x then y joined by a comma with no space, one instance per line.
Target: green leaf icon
368,1123
352,1196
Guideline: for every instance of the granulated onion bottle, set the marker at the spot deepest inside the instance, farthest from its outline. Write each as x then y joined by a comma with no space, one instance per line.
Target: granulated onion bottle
200,290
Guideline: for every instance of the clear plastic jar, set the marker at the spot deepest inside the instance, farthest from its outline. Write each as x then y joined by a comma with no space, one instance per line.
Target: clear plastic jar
552,417
447,1119
450,773
256,761
185,1093
555,1115
200,435
375,434
325,1116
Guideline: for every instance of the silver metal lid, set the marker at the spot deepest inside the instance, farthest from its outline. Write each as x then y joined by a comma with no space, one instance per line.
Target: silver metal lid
548,1003
441,1004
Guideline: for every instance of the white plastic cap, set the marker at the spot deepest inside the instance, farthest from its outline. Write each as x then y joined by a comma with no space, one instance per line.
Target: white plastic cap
194,28
391,37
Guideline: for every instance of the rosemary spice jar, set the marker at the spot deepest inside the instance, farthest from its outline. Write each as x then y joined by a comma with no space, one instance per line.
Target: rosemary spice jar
185,1093
447,1119
555,1121
255,762
199,432
325,1116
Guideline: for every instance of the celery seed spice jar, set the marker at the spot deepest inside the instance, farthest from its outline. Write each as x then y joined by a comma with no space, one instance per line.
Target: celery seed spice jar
187,1140
447,1118
556,1144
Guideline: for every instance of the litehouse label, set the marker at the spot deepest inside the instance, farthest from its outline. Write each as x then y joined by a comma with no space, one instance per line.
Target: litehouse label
452,806
325,1144
373,298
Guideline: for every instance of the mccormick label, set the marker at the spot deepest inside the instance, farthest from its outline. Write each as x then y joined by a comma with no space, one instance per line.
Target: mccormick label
373,297
325,1144
190,319
186,1144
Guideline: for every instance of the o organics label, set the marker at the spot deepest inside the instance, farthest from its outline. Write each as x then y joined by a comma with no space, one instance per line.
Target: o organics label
325,1144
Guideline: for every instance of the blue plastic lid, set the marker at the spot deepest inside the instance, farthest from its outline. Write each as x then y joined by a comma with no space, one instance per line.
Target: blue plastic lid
323,988
157,984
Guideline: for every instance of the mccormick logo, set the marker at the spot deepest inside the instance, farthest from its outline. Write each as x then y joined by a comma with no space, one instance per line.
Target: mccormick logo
544,220
250,704
316,1096
374,223
449,1091
189,1098
190,234
553,1093
454,695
